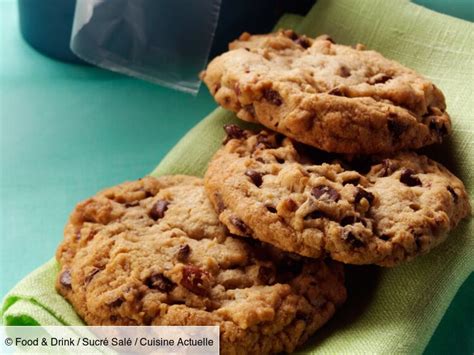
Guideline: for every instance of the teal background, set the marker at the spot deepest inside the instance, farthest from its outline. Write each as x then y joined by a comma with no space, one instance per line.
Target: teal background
67,131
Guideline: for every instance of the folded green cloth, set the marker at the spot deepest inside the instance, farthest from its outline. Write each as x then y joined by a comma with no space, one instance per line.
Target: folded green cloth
388,310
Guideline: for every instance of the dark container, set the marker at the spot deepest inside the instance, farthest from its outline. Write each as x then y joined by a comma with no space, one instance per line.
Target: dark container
46,25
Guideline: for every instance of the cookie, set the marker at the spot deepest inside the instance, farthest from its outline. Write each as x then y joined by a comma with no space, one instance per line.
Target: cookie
153,252
380,210
333,97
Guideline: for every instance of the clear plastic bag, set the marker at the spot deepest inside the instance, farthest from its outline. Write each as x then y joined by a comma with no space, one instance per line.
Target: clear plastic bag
163,41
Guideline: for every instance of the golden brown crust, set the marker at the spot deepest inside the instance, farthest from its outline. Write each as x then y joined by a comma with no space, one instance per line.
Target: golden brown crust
266,186
333,97
154,252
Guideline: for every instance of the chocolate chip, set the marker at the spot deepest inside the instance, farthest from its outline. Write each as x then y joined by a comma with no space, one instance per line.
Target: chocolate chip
65,278
158,210
418,237
267,141
273,97
409,178
440,129
160,282
193,280
349,220
453,193
337,91
395,127
325,192
385,237
315,215
266,275
115,303
303,42
344,71
361,193
131,204
148,194
255,176
183,252
349,237
91,274
354,181
291,34
241,226
233,132
250,109
271,209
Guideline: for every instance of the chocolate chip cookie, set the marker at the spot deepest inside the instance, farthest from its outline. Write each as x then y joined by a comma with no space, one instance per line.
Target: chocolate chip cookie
153,252
380,210
333,97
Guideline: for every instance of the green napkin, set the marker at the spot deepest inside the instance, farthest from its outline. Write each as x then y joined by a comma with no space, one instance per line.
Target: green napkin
389,310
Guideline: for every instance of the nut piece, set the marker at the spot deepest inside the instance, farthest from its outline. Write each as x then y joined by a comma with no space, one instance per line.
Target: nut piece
195,280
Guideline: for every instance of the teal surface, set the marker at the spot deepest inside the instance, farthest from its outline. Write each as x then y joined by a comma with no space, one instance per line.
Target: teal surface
458,8
67,131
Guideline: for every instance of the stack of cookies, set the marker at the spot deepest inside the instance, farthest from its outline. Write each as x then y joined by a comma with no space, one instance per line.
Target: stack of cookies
258,246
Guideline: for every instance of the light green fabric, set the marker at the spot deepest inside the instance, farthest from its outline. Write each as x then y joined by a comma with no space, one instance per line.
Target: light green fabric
388,310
